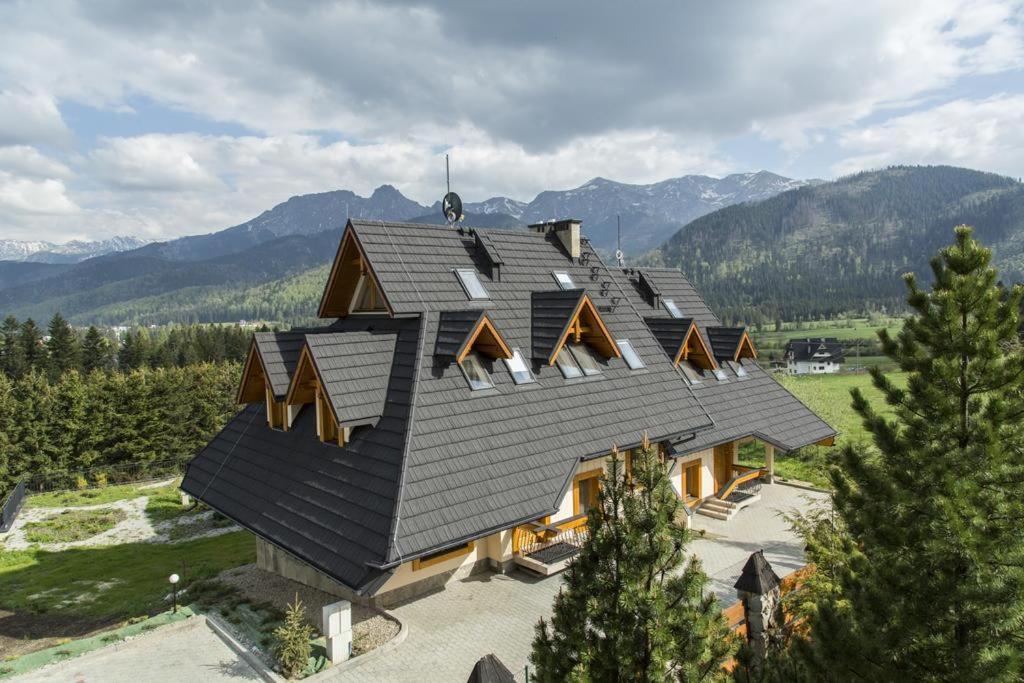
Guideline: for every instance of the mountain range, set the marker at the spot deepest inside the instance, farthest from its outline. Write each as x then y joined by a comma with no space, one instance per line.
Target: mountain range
68,252
775,247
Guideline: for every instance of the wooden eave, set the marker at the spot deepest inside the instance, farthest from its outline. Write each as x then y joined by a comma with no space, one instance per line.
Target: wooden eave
745,349
305,382
702,353
485,338
593,333
344,277
252,372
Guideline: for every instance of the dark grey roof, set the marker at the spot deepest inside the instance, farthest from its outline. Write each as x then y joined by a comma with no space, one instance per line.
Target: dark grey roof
453,331
755,405
331,507
757,575
725,341
551,312
490,670
489,249
670,332
824,349
280,353
355,367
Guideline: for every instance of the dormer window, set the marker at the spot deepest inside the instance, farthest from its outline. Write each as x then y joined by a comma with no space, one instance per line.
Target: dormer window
366,298
476,374
737,368
471,283
518,369
691,371
629,354
564,281
720,374
576,360
671,307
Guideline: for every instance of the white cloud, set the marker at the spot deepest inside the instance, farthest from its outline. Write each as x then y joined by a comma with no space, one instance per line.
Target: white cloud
158,163
35,197
30,118
984,134
29,161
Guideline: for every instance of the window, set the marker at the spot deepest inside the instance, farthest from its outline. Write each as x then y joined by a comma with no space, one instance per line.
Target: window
691,481
366,297
738,369
587,486
567,364
585,359
629,354
720,374
442,556
518,369
691,371
564,281
475,372
471,283
671,307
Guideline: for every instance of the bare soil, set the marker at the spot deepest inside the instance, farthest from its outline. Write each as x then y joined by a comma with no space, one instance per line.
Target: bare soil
22,633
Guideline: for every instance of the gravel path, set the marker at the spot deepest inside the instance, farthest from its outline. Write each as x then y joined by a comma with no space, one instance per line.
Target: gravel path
135,528
370,628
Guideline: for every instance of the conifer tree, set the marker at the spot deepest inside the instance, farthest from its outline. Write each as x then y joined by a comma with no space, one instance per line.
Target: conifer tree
12,353
929,585
97,353
62,348
633,606
31,340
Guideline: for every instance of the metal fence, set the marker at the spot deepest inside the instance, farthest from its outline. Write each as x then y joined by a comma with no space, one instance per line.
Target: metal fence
107,475
12,506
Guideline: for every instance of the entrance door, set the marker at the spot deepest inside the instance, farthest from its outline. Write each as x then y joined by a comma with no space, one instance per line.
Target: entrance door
723,466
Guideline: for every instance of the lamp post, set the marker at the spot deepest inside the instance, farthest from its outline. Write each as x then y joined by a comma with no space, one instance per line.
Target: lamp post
174,590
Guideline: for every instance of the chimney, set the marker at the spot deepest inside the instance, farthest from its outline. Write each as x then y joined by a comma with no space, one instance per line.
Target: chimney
566,230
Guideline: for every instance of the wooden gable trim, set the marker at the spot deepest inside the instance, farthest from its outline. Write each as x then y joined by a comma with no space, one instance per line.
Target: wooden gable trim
693,348
486,339
745,349
252,372
308,387
585,325
344,278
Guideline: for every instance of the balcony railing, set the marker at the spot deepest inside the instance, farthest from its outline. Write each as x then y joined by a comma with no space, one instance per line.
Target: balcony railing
535,537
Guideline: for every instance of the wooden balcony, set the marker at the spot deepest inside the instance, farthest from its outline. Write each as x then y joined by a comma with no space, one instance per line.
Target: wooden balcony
548,548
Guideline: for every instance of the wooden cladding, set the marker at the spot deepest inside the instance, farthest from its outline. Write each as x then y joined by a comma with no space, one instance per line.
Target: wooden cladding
485,339
746,348
306,388
352,285
442,556
695,350
586,326
254,378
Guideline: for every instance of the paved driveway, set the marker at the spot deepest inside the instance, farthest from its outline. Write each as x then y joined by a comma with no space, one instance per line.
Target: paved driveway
189,652
490,613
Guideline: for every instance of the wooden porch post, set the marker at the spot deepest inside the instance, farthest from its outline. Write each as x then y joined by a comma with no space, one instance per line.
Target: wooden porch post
769,462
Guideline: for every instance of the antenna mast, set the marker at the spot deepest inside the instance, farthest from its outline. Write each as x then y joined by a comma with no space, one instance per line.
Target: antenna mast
451,205
618,245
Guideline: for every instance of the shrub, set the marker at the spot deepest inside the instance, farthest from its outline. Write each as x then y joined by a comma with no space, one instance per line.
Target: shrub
100,479
81,482
293,646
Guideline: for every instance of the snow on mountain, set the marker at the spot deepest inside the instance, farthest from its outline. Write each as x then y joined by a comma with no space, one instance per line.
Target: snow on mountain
68,252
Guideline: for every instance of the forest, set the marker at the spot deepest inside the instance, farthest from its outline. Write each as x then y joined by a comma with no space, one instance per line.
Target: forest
83,409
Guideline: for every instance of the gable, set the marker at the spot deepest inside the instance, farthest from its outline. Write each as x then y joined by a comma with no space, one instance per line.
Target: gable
564,316
352,281
460,332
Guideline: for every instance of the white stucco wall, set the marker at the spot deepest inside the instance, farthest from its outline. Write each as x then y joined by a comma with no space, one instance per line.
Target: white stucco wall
812,368
707,462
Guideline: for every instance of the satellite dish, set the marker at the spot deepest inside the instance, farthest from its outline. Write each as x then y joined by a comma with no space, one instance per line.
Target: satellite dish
619,256
451,207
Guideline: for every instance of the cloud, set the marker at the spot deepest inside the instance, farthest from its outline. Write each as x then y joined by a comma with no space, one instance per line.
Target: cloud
156,163
986,134
34,197
29,161
31,118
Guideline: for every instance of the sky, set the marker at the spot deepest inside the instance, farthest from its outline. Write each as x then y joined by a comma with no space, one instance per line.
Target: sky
174,118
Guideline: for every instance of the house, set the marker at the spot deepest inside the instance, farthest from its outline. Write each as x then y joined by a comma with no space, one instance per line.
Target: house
465,393
813,356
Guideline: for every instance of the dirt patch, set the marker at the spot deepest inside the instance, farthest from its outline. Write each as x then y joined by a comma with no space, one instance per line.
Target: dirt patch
370,628
22,633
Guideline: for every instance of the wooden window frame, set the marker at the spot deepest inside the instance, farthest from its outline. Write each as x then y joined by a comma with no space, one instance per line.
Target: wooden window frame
592,474
594,333
683,466
350,264
442,556
693,345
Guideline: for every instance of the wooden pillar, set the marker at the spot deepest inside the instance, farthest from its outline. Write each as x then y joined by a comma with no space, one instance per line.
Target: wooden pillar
769,462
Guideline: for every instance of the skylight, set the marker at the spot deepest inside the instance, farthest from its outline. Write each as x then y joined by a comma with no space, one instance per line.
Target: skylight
671,307
585,359
517,368
738,369
475,372
471,283
564,281
691,371
567,364
720,374
629,354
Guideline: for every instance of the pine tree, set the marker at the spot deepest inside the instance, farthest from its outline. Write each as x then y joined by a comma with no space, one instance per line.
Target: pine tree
292,640
97,353
929,585
30,339
12,353
62,348
633,607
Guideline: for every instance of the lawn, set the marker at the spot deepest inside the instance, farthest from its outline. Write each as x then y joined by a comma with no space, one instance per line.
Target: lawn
96,496
829,397
113,582
73,525
857,328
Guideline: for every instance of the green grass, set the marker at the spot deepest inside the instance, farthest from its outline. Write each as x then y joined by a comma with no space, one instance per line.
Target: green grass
829,397
73,525
857,328
97,496
118,581
165,503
